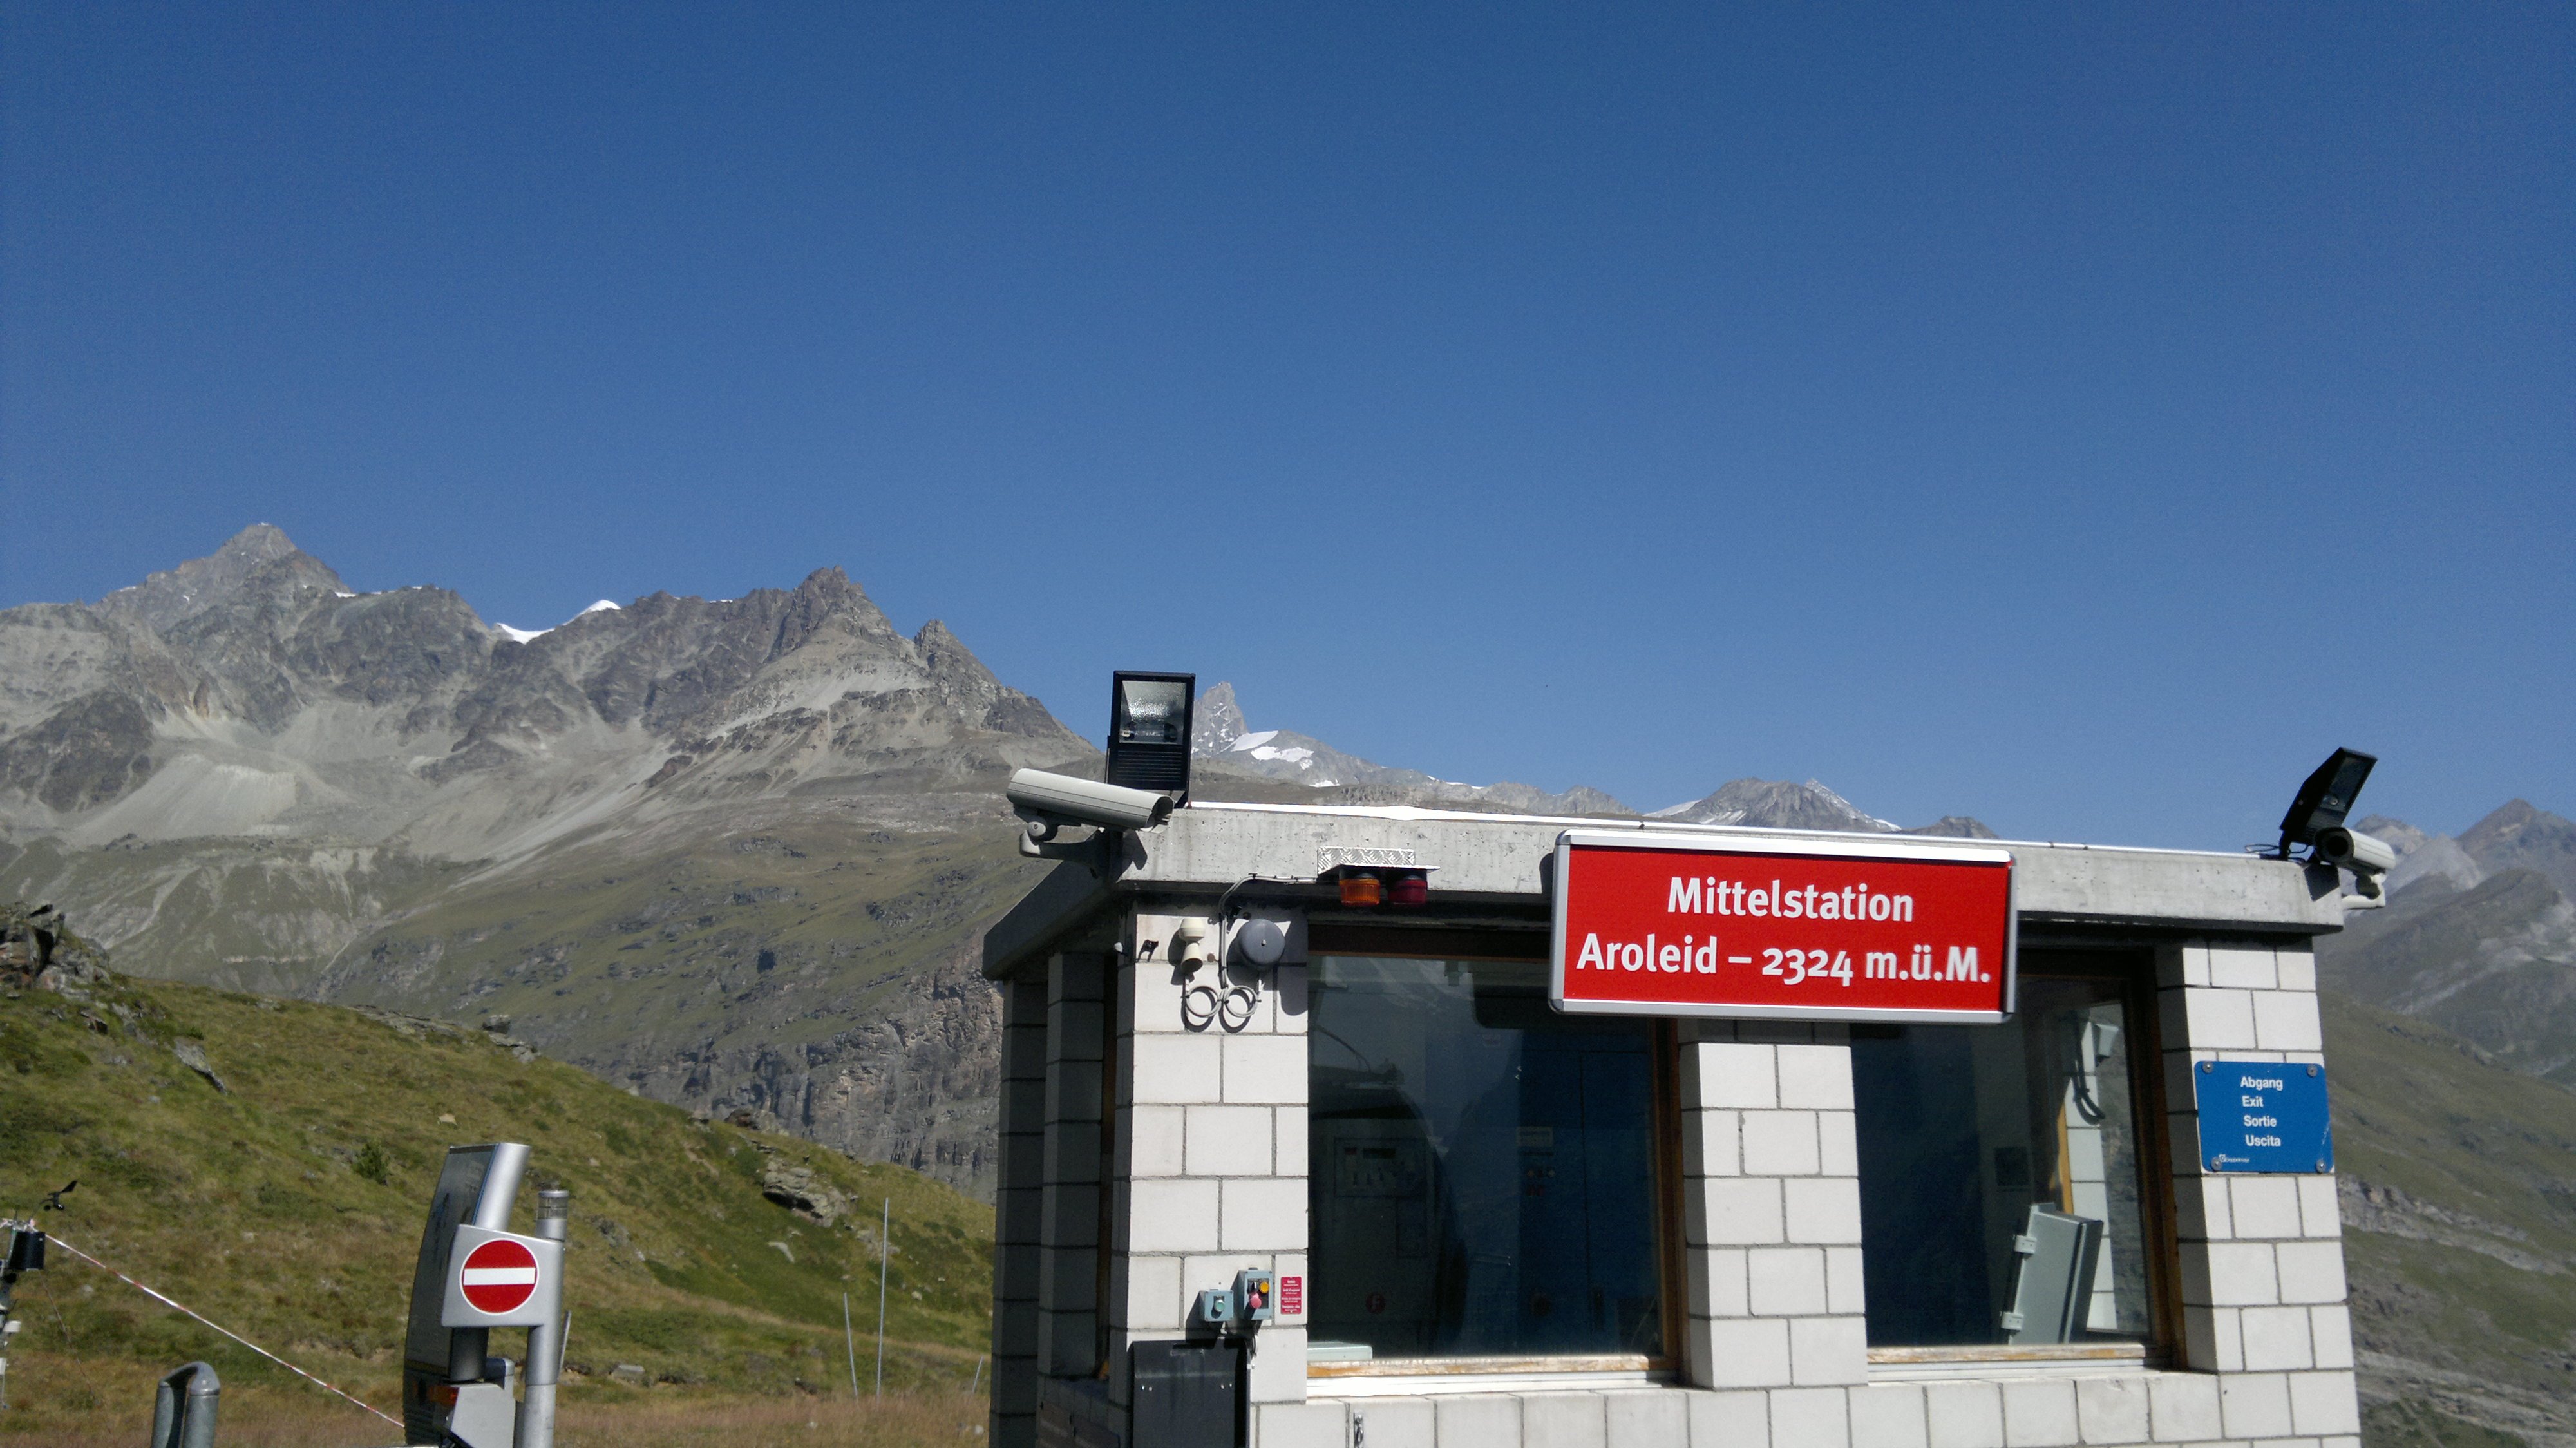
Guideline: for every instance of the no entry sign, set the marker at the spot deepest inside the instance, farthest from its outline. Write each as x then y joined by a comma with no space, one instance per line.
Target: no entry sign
502,1279
1655,924
498,1276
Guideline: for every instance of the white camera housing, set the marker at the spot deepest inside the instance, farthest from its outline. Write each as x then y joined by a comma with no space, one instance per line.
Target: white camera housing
2367,858
1048,800
2352,850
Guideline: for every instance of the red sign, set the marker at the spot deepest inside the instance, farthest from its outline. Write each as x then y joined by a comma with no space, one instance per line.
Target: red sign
498,1277
1292,1297
1656,924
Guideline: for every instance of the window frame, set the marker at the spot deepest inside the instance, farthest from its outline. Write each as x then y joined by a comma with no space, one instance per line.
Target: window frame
2131,965
1470,944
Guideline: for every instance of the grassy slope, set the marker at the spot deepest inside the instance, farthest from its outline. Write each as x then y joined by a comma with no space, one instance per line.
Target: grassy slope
2464,1304
247,914
602,945
246,1206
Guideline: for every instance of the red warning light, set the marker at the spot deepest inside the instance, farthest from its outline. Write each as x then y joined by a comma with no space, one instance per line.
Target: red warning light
1408,887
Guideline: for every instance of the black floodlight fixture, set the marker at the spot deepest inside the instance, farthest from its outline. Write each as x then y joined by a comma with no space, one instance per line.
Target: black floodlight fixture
2325,799
1149,731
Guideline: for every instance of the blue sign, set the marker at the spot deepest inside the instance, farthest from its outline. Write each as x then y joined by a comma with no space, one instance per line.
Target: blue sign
2263,1116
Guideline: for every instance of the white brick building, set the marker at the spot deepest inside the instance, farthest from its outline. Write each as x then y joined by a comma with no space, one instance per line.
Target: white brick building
1557,1231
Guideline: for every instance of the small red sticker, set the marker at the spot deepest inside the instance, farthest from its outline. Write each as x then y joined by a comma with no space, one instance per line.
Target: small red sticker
1292,1296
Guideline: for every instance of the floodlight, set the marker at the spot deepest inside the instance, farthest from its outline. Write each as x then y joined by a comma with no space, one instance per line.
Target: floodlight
1149,731
2326,798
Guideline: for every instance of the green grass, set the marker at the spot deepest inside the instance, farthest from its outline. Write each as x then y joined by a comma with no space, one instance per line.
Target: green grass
257,1206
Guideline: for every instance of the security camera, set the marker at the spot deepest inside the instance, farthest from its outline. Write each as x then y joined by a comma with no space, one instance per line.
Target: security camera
1047,801
2349,849
2355,851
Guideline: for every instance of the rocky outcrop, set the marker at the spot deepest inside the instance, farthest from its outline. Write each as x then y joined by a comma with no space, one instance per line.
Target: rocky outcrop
916,1086
93,750
39,948
796,1187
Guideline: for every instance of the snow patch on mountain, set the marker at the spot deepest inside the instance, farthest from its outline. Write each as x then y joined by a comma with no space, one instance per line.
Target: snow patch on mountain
524,635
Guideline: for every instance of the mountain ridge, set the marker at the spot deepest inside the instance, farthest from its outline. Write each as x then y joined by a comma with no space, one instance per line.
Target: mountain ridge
2478,936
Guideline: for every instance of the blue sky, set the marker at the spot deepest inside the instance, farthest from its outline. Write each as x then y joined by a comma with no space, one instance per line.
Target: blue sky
2082,417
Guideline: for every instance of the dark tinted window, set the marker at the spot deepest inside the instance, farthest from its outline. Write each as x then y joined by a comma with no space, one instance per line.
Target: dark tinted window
2000,1173
1483,1171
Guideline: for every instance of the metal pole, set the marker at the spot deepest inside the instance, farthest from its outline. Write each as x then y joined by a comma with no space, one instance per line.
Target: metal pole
885,1256
976,1381
468,1346
545,1343
850,1342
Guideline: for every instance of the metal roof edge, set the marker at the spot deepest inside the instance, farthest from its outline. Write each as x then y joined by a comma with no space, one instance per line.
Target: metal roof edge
1070,891
1406,813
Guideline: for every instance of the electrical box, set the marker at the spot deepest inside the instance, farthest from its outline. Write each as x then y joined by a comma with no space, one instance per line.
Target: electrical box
2053,1281
1186,1394
1215,1308
1256,1297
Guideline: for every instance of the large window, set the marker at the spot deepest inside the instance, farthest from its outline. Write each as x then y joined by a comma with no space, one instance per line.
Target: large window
1484,1176
2002,1170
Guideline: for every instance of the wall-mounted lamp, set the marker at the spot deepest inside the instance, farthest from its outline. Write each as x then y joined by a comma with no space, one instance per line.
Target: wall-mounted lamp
1149,731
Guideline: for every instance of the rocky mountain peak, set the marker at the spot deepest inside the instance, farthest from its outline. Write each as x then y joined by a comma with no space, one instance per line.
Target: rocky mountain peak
2522,836
1956,827
1775,804
947,657
259,559
1216,721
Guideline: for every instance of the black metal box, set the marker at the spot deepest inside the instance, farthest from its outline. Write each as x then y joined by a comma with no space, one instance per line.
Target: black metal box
1186,1395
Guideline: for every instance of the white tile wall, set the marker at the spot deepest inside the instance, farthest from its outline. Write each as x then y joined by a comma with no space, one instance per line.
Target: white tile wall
1786,1281
2311,1272
1573,1419
1724,1420
2254,1405
1888,1415
1780,1143
1646,1416
2183,1407
1395,1423
1964,1414
1230,1141
1746,1352
1820,1417
1215,1147
1732,1211
2039,1413
2325,1402
2111,1409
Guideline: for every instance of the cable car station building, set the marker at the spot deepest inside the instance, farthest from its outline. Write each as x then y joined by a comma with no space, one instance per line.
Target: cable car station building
1326,1127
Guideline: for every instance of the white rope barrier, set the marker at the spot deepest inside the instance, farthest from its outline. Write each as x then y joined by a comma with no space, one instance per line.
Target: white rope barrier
219,1327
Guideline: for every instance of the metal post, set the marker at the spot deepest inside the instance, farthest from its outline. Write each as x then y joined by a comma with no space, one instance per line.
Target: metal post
183,1410
21,1251
546,1342
976,1381
850,1344
468,1346
885,1257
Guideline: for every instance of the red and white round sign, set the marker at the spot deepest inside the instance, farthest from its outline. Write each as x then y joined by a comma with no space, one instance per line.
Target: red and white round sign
498,1277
